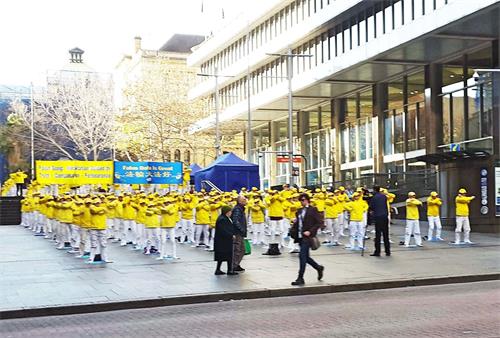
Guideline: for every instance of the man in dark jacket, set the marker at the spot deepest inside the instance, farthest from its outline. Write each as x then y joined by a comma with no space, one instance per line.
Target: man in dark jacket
240,224
379,211
305,227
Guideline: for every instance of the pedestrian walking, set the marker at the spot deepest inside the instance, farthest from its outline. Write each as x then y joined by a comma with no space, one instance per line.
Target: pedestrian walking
223,241
305,227
380,213
240,225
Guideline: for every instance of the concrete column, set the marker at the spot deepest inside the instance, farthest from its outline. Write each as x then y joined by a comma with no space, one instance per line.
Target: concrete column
303,126
380,104
337,112
273,136
433,107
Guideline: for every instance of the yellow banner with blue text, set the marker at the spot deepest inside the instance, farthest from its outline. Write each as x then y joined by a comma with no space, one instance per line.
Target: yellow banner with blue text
74,172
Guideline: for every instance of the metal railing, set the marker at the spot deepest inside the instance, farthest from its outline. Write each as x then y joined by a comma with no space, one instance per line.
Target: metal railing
206,183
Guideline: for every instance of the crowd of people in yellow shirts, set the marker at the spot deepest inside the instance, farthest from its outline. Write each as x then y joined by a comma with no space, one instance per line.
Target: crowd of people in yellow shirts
156,223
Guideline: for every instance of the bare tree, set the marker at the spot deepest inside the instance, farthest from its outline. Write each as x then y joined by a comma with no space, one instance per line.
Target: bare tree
157,113
74,119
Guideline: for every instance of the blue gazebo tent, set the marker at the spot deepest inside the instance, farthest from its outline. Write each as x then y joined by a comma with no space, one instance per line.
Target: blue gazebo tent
194,169
229,172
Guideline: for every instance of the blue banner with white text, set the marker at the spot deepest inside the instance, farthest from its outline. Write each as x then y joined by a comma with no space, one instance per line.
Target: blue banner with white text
148,172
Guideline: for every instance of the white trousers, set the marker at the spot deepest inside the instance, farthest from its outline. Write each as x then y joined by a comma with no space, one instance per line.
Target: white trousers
462,223
84,240
187,230
356,234
274,227
170,233
340,222
434,222
151,238
333,224
258,233
413,228
98,244
201,228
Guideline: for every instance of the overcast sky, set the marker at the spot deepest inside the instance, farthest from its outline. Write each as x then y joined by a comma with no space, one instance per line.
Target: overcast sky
35,35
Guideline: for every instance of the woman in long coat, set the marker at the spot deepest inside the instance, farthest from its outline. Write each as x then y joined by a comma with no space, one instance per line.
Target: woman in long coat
223,241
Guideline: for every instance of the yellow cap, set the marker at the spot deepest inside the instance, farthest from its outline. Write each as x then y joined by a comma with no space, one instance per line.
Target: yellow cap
434,194
341,188
411,193
462,191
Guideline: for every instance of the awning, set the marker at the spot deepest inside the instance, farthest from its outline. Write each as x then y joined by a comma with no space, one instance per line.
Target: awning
453,156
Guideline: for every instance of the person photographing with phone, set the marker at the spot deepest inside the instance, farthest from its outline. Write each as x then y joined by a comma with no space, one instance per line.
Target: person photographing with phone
305,227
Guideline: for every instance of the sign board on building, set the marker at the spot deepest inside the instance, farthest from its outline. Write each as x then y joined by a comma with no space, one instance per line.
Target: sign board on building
284,159
497,190
455,147
484,191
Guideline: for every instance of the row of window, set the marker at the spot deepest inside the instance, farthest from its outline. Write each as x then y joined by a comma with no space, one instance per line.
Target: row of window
379,19
274,26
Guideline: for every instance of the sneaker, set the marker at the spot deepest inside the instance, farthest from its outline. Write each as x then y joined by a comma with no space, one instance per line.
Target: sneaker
439,239
239,269
219,273
298,282
293,251
232,273
468,242
108,261
420,245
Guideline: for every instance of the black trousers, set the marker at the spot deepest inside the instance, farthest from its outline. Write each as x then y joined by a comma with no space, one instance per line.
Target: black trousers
382,229
229,265
305,258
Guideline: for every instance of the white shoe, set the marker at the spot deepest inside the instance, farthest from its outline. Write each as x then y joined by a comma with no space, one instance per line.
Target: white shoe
407,245
420,245
456,242
468,242
108,261
439,239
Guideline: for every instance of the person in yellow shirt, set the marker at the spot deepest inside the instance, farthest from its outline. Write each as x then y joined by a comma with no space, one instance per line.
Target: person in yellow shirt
256,210
276,213
129,215
343,219
433,205
462,202
76,226
390,199
121,232
110,203
202,219
169,214
331,217
140,220
151,227
412,220
98,240
187,208
356,209
19,177
65,220
86,224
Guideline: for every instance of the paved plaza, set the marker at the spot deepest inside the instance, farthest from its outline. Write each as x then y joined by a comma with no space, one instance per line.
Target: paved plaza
33,274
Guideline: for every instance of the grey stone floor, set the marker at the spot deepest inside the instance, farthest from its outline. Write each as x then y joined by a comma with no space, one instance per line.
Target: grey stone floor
34,274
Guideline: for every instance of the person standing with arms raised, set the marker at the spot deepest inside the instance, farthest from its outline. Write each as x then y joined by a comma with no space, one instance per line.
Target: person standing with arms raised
380,213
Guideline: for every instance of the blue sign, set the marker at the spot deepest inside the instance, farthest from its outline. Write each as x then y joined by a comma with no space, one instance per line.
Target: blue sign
455,147
148,172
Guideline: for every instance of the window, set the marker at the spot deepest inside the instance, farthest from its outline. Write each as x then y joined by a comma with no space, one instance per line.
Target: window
177,155
187,156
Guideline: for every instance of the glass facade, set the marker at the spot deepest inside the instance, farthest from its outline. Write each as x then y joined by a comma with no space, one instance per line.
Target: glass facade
467,102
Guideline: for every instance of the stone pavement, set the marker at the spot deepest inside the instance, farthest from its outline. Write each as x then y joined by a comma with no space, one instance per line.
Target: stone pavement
34,275
459,310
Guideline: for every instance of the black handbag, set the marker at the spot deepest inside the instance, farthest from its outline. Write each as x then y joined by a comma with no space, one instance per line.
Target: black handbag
314,243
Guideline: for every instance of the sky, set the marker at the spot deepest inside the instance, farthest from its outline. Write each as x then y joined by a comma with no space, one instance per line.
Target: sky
36,35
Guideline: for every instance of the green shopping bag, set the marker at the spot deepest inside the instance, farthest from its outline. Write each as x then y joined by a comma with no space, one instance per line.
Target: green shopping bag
248,247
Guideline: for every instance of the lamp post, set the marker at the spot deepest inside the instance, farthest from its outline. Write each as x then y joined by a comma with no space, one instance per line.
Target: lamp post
289,74
32,136
216,75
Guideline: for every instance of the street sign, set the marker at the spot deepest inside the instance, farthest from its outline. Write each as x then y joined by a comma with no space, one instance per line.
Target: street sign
455,147
284,159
